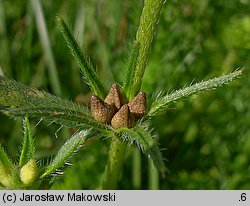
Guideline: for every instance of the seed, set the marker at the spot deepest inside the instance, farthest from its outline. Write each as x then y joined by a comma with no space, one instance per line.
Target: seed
137,106
101,111
113,97
123,118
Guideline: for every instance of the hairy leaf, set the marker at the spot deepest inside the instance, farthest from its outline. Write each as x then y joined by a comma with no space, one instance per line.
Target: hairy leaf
161,103
24,101
4,160
130,72
144,140
6,166
28,144
86,68
66,151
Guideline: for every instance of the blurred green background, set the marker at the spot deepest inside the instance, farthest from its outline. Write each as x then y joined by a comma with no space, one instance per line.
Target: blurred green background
207,138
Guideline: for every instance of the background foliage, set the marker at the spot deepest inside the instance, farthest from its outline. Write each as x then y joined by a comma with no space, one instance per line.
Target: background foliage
207,137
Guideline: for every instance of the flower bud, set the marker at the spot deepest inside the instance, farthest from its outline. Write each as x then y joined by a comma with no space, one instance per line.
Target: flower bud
28,172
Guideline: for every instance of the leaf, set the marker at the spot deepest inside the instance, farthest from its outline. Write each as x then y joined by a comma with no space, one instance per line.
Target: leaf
144,140
28,144
24,101
66,151
86,68
130,72
5,169
4,160
161,103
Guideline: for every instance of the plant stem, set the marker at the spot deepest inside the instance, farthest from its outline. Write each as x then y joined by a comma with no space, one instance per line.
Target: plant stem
153,176
136,168
114,164
146,31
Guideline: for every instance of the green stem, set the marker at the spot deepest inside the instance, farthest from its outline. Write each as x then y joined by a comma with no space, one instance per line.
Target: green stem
136,168
114,165
146,31
153,176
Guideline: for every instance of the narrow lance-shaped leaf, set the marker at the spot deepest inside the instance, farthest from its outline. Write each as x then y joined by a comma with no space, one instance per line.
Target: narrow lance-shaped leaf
161,103
24,101
145,34
66,151
4,160
144,140
5,169
28,144
130,71
86,68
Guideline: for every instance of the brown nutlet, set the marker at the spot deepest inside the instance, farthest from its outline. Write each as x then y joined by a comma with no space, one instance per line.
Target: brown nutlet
137,105
113,98
101,111
123,118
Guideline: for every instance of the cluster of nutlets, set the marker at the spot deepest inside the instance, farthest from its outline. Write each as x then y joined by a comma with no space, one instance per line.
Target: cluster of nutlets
113,111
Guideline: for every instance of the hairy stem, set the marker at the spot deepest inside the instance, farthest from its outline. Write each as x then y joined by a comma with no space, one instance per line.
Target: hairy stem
114,164
146,31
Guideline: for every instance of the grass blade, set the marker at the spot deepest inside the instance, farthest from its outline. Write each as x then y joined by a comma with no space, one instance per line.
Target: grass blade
45,42
5,51
86,68
161,103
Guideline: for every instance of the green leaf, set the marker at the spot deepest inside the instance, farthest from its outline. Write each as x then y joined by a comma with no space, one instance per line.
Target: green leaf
24,101
4,160
161,103
28,144
6,166
66,151
130,72
86,67
144,140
